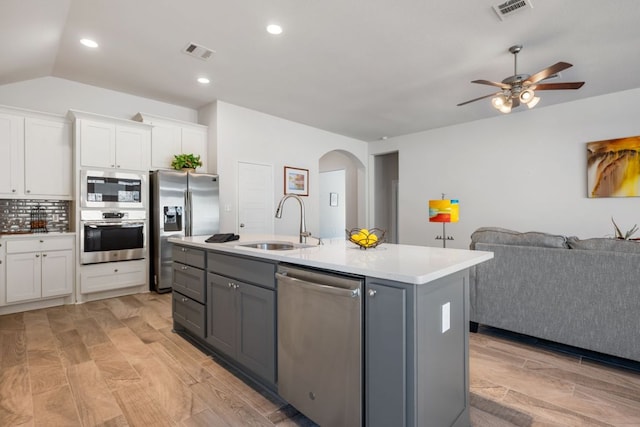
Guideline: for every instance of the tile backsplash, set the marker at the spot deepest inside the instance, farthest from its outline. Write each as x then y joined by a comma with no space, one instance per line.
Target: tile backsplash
21,215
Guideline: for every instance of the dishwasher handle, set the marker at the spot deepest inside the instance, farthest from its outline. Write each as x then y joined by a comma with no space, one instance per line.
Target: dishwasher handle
352,293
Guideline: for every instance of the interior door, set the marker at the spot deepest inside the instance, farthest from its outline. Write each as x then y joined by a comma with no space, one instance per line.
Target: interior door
255,198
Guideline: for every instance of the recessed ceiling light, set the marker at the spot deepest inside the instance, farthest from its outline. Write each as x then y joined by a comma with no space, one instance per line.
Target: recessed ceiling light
274,29
203,80
89,43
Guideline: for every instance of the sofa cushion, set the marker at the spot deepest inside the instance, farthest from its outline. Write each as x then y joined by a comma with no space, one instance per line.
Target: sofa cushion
502,236
604,244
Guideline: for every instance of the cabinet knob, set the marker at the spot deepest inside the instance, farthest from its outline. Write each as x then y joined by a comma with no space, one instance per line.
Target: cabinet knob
113,166
242,225
115,270
37,255
41,241
184,267
44,255
230,285
13,191
28,191
372,292
184,299
183,249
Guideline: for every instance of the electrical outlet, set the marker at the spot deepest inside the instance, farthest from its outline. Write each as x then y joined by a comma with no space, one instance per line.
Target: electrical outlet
446,317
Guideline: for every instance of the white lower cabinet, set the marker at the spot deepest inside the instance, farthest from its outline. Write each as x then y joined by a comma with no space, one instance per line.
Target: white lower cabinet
38,268
112,275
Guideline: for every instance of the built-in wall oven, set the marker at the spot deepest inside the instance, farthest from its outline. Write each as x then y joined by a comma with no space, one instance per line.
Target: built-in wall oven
107,236
107,189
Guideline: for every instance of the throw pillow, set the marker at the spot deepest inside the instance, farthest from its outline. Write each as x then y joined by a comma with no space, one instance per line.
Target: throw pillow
502,236
604,244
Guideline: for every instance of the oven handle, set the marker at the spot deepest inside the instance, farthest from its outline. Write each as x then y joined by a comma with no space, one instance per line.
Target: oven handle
120,223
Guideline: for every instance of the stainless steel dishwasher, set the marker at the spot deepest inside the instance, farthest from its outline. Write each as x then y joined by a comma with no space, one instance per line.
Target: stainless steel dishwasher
320,344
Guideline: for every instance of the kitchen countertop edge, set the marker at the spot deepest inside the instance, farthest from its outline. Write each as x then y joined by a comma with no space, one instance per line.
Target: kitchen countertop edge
402,263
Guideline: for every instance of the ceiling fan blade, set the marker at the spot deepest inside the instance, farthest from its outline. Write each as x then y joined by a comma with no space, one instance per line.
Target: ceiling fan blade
478,99
558,86
547,72
490,83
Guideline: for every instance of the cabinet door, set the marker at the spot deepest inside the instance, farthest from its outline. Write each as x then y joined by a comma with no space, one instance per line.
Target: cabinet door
194,141
57,273
221,313
11,154
165,143
48,156
23,276
386,355
132,148
255,331
97,144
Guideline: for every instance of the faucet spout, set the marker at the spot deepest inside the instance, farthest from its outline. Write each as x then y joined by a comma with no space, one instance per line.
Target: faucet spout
303,225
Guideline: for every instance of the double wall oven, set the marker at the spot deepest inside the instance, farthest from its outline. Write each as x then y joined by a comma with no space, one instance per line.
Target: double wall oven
113,220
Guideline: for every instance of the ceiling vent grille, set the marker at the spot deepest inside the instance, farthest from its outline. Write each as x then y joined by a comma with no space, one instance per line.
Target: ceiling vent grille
198,51
511,7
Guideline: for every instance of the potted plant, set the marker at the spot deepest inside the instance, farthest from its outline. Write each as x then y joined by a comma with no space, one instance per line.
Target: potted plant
186,161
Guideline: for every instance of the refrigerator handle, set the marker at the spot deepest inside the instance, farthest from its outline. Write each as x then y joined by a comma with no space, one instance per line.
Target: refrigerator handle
187,213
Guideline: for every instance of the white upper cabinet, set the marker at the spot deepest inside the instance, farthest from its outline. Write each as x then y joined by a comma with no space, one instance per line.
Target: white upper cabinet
113,144
170,137
48,154
35,155
11,155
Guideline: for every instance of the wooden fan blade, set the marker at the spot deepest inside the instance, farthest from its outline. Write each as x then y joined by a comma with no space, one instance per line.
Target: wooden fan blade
547,72
478,99
490,83
557,86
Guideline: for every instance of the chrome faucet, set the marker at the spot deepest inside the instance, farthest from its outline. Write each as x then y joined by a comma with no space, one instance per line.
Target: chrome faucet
303,226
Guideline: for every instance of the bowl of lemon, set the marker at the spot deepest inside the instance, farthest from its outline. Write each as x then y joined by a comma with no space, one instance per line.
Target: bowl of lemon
366,238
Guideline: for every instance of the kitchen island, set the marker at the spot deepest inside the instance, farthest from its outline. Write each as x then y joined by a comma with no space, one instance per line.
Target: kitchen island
415,302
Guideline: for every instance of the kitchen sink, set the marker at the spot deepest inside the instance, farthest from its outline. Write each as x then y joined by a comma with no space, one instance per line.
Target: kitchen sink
275,246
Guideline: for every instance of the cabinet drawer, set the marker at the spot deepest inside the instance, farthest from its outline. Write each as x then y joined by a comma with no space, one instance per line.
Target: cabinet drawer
189,314
189,281
248,270
189,256
39,245
112,275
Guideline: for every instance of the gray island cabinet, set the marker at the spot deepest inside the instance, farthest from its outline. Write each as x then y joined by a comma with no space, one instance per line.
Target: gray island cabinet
415,305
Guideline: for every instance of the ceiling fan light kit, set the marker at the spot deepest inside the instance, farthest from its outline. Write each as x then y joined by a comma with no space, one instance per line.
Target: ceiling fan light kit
520,88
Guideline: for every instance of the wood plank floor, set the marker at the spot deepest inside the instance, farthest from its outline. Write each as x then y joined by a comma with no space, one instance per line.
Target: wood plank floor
116,362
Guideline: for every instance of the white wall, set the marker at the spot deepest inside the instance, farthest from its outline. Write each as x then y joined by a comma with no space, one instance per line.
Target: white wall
250,136
55,95
524,171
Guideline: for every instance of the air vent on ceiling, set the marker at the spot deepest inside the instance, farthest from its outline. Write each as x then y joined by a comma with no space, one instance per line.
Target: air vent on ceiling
511,7
198,51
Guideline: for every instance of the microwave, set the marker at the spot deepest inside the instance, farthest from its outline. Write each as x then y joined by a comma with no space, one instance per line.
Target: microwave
113,189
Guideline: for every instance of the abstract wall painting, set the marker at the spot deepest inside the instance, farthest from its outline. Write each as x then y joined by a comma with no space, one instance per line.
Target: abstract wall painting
613,167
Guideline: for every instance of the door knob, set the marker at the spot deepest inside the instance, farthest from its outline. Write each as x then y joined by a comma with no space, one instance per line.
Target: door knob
372,292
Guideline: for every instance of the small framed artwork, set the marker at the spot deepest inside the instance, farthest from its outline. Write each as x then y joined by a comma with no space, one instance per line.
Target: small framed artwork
296,181
333,199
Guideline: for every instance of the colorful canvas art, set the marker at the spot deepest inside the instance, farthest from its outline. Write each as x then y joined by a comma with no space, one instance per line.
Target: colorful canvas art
613,167
444,210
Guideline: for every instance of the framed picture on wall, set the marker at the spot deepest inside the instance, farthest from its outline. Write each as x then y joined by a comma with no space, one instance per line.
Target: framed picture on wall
296,181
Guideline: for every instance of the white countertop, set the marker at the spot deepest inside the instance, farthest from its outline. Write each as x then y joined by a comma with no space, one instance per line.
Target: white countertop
9,235
402,263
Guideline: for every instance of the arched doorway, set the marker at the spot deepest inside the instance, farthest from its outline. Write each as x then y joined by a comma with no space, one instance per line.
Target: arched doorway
342,193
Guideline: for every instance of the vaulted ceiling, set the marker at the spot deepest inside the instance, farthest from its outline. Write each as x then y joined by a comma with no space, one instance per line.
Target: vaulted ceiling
361,68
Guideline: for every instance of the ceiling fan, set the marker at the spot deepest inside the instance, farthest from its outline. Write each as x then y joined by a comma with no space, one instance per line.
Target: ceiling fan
520,88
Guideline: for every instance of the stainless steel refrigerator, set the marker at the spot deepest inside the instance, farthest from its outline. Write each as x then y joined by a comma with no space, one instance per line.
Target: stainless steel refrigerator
182,204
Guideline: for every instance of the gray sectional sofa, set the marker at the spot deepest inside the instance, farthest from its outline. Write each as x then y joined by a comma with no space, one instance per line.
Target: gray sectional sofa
583,293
